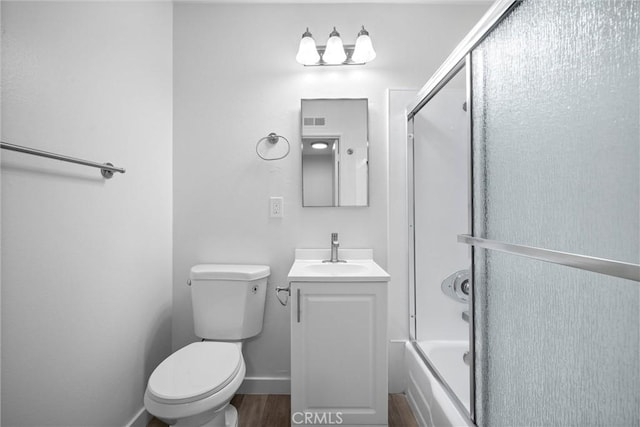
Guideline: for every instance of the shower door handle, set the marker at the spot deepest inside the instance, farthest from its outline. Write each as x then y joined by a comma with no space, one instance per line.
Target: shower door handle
623,270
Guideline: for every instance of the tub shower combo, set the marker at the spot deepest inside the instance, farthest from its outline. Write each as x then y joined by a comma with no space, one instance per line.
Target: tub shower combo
524,221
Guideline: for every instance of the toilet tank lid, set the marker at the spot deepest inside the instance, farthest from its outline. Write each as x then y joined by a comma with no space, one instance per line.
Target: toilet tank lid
229,272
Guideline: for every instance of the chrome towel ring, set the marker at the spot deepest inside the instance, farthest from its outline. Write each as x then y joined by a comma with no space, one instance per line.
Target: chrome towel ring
270,142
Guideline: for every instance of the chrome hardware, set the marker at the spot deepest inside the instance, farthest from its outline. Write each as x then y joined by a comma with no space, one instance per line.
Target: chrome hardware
466,358
106,169
457,286
298,310
254,290
334,249
456,60
281,289
623,270
464,287
188,282
273,139
465,316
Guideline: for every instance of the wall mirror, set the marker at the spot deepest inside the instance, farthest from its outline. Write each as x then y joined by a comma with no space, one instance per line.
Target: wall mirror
335,152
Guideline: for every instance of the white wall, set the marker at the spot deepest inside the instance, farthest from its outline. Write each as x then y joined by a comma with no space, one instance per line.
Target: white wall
86,277
236,80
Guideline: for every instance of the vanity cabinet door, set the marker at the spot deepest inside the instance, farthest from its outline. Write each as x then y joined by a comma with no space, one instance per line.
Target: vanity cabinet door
339,353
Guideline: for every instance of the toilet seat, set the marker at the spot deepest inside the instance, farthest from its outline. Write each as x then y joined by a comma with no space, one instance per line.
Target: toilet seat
195,372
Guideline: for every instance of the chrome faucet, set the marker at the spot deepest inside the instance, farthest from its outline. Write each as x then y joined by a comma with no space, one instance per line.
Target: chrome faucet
334,249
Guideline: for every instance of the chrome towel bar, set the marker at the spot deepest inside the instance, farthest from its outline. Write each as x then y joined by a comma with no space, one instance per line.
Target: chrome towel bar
106,169
623,270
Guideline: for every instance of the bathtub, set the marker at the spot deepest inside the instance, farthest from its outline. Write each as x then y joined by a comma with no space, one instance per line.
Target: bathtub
427,397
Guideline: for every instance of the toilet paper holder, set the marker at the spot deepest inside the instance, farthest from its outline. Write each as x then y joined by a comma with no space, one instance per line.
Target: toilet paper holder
283,289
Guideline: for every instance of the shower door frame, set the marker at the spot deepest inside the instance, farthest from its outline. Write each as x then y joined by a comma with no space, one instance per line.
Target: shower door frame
467,414
462,57
459,58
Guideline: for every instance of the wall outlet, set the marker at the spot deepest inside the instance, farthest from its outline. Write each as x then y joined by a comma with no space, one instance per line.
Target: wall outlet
276,206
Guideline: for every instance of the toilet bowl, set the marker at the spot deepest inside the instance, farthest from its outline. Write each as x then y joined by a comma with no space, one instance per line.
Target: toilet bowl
193,387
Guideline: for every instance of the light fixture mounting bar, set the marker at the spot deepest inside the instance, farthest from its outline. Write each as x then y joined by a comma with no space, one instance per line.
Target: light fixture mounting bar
348,49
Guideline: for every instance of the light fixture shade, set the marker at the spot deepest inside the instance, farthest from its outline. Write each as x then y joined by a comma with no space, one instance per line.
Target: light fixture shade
307,51
363,51
334,52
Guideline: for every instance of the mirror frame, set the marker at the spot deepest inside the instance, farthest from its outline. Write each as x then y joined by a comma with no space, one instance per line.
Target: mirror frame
302,137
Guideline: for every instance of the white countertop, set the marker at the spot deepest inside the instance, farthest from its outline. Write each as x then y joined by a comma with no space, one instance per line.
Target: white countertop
359,267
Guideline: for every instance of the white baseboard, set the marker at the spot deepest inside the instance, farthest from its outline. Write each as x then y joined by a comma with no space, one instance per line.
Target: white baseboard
266,385
140,419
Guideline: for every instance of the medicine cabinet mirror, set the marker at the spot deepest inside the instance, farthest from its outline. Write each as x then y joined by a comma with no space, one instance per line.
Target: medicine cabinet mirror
335,152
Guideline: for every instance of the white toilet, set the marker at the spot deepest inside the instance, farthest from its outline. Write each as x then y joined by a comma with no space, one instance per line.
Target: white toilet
193,386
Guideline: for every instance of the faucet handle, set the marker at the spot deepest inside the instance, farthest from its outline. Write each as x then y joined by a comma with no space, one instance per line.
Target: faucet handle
334,237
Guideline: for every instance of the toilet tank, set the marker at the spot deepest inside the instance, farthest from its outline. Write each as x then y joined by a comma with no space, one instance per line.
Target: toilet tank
228,300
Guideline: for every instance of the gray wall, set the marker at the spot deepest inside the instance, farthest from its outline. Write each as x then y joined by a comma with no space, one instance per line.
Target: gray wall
86,293
236,80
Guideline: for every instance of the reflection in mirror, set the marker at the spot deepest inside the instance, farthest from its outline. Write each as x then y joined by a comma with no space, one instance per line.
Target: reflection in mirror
335,161
320,171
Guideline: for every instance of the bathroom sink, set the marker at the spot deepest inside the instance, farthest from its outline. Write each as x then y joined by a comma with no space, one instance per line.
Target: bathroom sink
359,267
335,269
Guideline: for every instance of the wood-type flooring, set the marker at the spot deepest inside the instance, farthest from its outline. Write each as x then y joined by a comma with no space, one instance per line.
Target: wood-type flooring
273,410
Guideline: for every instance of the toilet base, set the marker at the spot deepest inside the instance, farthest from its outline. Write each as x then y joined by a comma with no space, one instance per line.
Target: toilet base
227,419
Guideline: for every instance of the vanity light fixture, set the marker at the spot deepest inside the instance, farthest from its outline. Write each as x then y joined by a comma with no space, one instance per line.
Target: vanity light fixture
363,51
335,52
307,51
319,145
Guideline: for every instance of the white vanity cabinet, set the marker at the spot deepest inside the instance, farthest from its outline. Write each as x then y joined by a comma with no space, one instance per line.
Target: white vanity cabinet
339,350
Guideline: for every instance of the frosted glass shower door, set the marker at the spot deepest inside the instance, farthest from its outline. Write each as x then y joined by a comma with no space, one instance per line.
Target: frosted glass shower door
556,165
